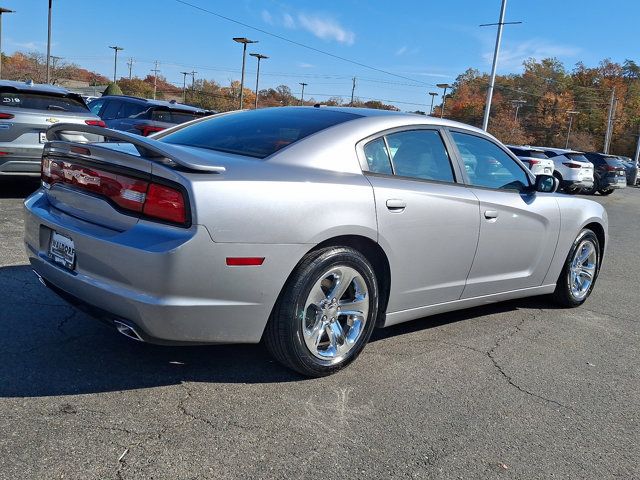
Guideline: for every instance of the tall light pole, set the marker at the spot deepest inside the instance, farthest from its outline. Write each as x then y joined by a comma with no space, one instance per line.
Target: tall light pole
49,42
244,41
155,78
302,94
116,49
259,57
433,96
130,65
444,86
492,82
2,10
571,113
184,86
517,105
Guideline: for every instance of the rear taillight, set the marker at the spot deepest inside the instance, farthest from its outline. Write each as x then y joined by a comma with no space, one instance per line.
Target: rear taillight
165,203
6,116
141,196
533,162
611,168
572,165
96,123
146,130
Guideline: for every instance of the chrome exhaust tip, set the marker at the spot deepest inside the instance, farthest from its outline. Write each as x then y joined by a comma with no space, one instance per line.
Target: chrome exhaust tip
40,279
128,331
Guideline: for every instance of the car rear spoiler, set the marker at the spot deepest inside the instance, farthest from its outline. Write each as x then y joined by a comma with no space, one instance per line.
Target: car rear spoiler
146,147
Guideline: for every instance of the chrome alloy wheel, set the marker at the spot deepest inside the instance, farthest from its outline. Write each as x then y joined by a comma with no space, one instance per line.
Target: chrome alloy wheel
582,270
335,313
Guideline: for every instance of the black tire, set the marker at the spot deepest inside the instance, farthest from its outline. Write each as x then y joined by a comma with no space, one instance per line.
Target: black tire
572,190
283,335
563,294
594,189
606,192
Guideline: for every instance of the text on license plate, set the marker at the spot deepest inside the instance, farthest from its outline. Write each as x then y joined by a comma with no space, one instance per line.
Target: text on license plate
62,250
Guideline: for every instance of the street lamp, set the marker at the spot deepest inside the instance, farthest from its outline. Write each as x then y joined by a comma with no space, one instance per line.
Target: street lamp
433,96
259,57
302,94
184,86
571,113
115,61
244,42
2,10
444,86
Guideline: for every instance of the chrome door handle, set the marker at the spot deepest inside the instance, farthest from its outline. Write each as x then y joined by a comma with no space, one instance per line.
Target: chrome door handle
396,205
490,214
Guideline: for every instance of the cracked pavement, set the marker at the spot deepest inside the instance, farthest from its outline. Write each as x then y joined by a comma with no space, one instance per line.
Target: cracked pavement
515,390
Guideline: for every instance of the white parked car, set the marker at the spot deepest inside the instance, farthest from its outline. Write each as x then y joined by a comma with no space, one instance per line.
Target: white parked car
572,169
534,158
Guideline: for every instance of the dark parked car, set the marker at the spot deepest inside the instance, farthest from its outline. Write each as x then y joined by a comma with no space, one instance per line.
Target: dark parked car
631,166
143,116
609,173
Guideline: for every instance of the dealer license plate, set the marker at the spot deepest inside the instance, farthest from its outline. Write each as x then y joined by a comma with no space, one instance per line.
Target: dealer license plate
62,250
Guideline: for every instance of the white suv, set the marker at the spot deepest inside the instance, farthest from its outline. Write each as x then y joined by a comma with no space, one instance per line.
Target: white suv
572,169
534,158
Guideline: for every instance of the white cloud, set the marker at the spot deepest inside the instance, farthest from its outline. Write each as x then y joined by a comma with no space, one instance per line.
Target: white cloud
288,21
512,56
305,65
326,28
267,17
402,50
33,45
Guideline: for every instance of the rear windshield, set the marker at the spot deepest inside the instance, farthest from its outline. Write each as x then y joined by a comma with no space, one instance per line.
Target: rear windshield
536,154
578,157
36,101
614,161
174,116
257,133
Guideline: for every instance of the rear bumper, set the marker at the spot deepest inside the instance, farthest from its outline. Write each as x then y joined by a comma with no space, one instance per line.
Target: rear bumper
582,184
612,183
11,165
172,284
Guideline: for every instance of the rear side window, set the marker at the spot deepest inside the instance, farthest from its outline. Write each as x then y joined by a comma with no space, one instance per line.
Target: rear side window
257,133
111,110
420,154
377,156
35,101
519,152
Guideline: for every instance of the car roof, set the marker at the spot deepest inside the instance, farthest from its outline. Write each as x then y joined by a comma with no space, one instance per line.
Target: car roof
159,103
558,151
526,147
35,87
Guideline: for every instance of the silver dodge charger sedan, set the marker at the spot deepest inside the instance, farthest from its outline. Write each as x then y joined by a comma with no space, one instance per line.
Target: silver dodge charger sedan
302,227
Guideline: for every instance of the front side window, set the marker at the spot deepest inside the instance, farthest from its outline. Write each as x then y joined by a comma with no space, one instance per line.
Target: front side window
487,165
95,106
420,154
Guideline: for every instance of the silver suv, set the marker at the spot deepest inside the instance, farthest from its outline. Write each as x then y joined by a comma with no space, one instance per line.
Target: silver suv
26,111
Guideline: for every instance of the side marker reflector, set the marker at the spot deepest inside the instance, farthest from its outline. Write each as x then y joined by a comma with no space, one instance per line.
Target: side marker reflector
244,261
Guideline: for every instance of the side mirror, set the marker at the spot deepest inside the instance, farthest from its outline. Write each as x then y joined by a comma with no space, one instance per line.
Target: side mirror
546,183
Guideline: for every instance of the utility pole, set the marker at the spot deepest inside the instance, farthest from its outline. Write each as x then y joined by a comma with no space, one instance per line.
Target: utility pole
492,82
49,42
193,80
610,117
244,41
130,65
116,49
444,86
518,104
155,79
259,57
184,86
433,96
636,157
302,94
54,66
2,10
353,89
571,113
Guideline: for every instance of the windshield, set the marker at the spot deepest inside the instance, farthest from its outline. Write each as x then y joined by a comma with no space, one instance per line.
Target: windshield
578,157
37,101
257,133
174,116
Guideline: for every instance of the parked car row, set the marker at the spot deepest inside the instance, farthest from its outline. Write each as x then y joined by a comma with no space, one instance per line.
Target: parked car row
580,172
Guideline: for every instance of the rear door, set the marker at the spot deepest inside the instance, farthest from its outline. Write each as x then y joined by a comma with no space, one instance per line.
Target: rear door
428,223
519,228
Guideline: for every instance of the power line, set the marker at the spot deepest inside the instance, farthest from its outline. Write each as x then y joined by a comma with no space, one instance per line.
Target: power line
299,44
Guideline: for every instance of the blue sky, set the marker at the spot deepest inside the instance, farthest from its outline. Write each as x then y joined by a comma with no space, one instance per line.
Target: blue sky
426,41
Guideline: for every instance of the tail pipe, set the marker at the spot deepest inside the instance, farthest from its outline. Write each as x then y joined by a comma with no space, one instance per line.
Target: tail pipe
127,331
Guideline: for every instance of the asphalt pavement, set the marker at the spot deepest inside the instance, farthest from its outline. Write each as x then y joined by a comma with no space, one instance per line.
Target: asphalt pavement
515,390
